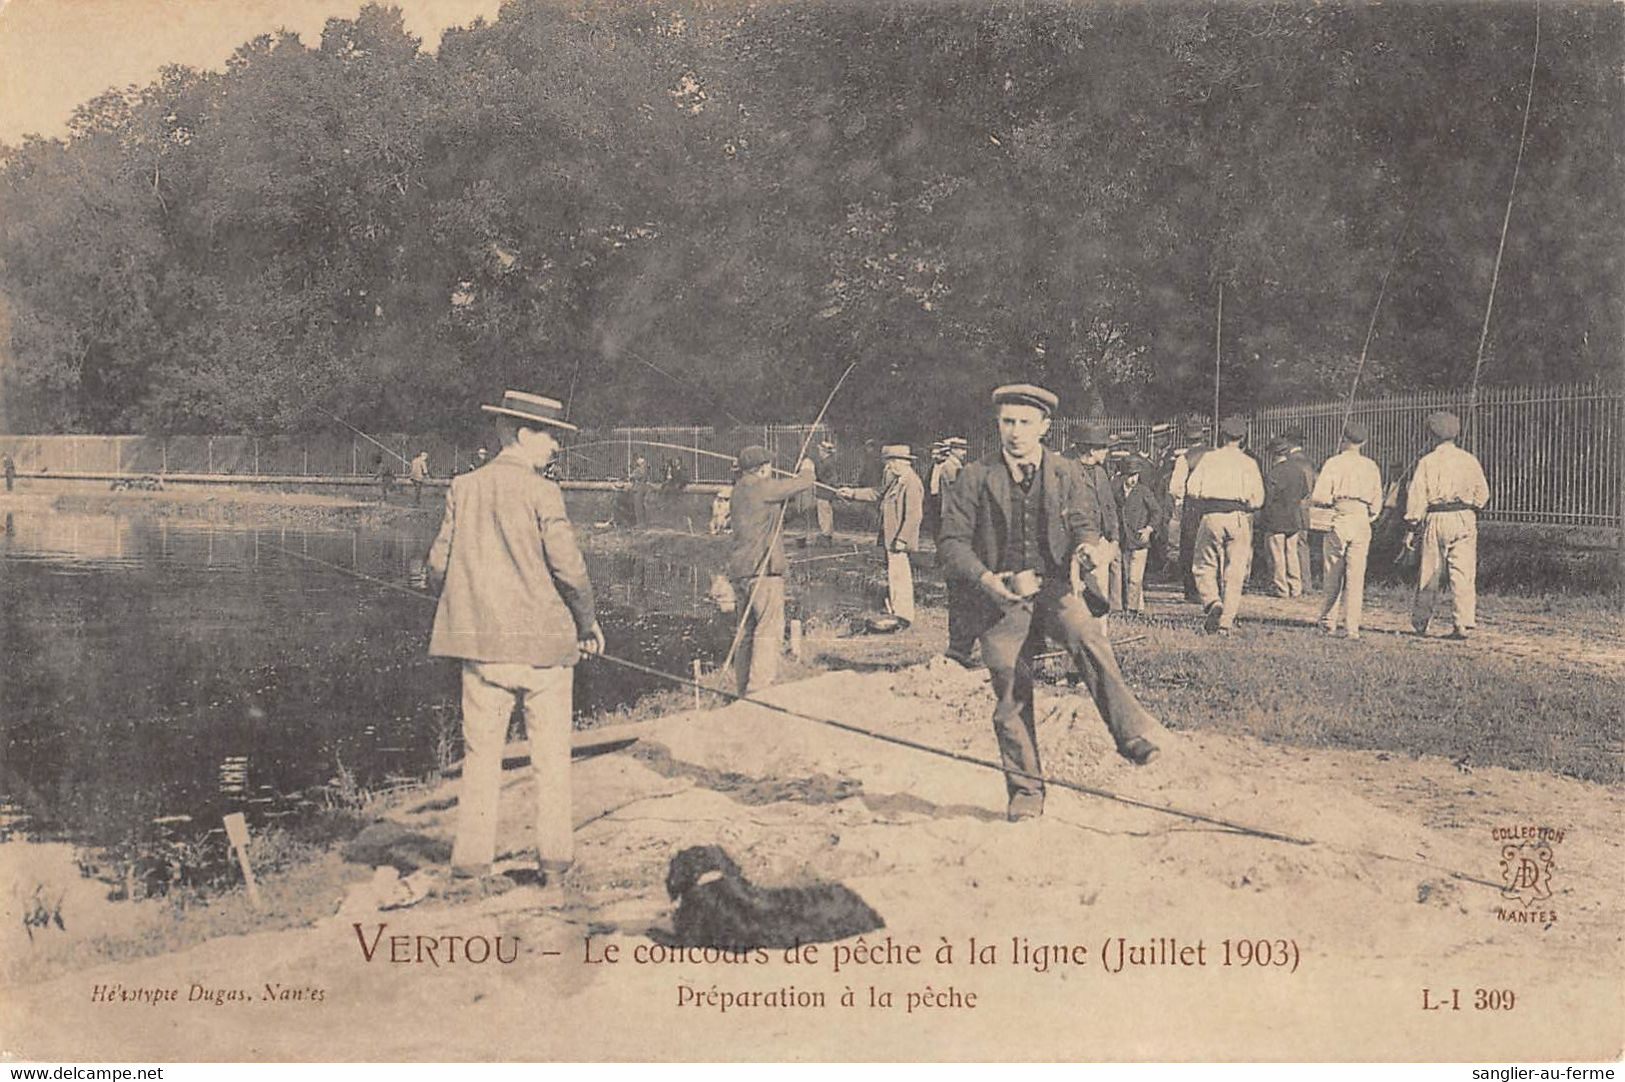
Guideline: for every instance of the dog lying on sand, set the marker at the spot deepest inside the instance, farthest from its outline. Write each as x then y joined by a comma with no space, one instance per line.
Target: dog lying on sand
718,907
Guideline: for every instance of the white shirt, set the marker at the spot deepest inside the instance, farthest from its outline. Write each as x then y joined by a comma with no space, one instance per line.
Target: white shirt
1226,473
1446,474
1014,464
1349,475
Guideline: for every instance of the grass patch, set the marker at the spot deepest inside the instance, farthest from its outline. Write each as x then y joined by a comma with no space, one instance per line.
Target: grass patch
1293,685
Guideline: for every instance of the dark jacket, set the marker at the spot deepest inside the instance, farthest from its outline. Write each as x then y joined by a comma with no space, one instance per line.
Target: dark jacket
1286,486
976,515
1139,508
1101,517
754,509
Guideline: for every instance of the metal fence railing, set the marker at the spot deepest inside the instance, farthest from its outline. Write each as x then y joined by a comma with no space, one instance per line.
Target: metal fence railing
1553,454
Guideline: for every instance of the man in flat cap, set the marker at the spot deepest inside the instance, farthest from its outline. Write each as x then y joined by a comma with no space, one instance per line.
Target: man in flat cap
1011,529
1446,493
1286,487
1140,511
758,563
1094,442
1230,488
901,497
1185,513
1310,547
516,607
1351,485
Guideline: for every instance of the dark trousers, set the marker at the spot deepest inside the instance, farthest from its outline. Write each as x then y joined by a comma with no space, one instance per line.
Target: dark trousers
1187,547
1008,647
961,625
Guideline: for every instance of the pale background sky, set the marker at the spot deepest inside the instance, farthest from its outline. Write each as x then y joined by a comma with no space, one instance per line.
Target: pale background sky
55,54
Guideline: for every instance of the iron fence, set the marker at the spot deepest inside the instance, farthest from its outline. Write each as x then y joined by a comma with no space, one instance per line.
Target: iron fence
1552,454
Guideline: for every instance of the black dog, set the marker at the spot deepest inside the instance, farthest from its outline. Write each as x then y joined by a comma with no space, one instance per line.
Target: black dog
718,907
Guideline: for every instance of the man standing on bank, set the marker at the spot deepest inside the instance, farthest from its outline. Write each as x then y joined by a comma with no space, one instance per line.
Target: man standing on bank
1014,516
1283,519
1226,484
901,497
758,563
1351,485
517,608
1446,493
1141,511
824,469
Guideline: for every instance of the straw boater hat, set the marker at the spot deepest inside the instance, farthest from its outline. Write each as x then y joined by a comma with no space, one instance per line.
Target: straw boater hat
897,450
532,408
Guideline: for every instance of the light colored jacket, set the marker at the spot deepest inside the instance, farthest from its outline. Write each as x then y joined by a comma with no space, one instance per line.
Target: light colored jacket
902,505
1446,475
516,587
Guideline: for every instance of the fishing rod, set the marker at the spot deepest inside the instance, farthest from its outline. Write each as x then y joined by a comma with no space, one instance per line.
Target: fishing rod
778,524
363,435
1371,325
1104,794
688,450
636,356
1506,219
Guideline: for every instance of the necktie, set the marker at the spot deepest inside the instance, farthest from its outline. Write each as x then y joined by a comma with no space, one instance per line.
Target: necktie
1028,472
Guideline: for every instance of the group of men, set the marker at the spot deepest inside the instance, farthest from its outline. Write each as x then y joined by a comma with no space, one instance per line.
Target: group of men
1028,540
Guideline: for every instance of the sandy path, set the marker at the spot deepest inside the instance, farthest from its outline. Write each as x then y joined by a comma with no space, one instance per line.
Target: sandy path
923,840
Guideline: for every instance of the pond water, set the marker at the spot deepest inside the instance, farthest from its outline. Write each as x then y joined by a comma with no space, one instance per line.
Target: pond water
159,673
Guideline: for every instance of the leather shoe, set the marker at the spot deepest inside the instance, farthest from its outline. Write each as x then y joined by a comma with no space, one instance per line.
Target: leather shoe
1024,806
1140,751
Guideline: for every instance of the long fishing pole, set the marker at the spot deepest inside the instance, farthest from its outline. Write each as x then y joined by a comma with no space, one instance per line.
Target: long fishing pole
686,449
1506,219
363,435
778,524
1104,794
1371,325
716,401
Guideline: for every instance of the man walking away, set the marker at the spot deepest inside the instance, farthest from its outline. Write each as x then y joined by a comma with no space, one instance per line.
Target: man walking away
1228,484
1447,492
1186,512
1140,511
1282,520
516,608
902,506
758,564
1012,526
419,473
1311,554
1351,485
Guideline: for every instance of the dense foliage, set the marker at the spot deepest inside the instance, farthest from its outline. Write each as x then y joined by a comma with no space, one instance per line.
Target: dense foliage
695,213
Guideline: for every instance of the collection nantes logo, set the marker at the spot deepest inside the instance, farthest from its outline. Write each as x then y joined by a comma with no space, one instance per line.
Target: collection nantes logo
1526,874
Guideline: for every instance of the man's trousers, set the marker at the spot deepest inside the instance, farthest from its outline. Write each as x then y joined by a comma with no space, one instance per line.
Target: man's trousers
489,692
756,661
1224,555
900,585
826,519
1348,545
1449,541
1008,647
1286,565
1134,579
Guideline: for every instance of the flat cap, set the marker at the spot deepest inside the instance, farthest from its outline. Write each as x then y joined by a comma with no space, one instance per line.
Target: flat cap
1137,464
1354,432
1094,434
1026,394
1195,430
1233,427
1445,425
753,456
1277,445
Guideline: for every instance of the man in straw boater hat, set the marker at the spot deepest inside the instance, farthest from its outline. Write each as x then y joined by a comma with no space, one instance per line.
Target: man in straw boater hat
1351,485
901,497
1447,492
758,563
517,608
1230,488
1012,528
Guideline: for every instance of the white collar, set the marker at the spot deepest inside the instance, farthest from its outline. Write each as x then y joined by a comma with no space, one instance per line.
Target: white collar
1014,464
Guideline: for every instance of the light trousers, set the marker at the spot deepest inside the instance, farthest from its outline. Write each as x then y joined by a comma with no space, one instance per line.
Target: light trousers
1223,555
1449,542
1134,579
900,585
756,662
490,690
1286,563
1348,546
826,518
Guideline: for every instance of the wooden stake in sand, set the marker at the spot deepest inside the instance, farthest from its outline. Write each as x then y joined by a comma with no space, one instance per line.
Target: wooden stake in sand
698,672
237,835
